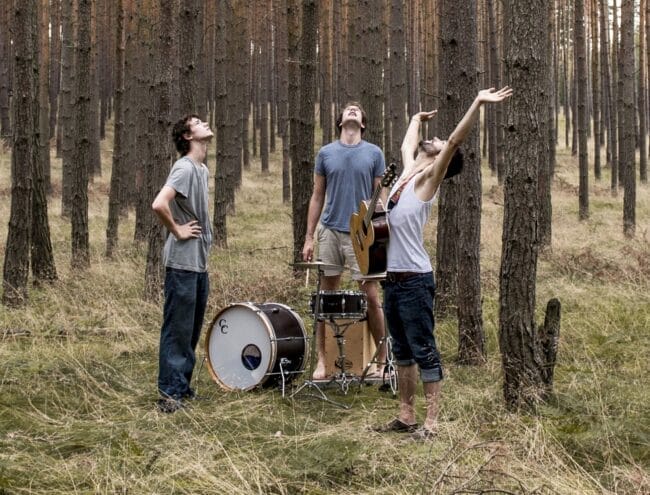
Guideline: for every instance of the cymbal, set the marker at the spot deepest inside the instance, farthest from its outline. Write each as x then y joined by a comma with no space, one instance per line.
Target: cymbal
315,265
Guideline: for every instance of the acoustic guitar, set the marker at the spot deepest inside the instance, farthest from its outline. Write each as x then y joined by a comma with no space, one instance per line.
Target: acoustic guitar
369,229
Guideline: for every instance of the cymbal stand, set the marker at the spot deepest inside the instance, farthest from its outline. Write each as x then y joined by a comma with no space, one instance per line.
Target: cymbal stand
388,367
309,383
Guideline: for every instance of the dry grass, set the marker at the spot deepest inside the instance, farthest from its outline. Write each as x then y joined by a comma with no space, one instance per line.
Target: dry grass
77,384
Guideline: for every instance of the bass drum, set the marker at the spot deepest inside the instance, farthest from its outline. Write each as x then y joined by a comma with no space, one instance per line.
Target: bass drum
250,345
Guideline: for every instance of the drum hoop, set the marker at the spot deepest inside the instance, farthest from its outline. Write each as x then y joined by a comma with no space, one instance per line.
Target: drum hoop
267,325
340,292
272,340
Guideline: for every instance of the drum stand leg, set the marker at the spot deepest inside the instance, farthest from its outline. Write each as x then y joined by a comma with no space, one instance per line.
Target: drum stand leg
309,383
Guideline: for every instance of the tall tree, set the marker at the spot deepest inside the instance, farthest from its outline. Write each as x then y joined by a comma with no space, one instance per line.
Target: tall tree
398,91
189,17
583,111
82,160
43,91
525,64
55,63
609,115
448,201
369,66
112,227
325,54
280,11
42,256
617,103
596,90
642,94
65,138
25,145
303,158
461,91
5,65
627,114
158,165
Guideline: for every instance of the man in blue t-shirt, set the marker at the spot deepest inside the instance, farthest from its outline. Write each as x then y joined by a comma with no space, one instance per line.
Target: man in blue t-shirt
347,171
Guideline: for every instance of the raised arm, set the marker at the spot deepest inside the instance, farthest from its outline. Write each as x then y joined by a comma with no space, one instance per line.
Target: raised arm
412,137
467,122
434,173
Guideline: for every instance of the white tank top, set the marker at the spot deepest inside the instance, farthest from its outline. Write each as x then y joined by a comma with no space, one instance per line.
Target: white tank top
406,220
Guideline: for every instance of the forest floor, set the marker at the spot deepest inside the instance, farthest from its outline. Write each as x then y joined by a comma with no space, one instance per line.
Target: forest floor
79,364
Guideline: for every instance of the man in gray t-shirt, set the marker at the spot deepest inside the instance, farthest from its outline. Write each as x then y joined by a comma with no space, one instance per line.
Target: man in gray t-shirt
182,207
347,171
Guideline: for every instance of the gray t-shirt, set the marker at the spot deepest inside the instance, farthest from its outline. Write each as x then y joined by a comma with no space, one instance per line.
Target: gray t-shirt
190,181
349,172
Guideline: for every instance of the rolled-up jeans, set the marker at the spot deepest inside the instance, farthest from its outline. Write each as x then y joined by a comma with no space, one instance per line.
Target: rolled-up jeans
186,296
408,306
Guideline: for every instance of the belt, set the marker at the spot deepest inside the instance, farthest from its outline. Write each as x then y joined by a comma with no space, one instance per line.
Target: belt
400,276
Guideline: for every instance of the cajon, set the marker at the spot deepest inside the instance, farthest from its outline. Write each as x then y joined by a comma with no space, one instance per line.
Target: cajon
359,347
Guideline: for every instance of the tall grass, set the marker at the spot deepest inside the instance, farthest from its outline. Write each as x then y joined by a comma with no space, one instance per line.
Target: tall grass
78,379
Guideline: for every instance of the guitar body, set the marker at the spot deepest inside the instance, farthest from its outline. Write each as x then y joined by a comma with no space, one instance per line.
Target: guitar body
370,243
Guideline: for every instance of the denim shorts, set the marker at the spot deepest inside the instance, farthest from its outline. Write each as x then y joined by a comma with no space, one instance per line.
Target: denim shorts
408,306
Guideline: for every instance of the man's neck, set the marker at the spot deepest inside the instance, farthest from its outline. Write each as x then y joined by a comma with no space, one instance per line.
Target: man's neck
197,152
350,135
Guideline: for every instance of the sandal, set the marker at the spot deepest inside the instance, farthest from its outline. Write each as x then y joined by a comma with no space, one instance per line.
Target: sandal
423,434
397,426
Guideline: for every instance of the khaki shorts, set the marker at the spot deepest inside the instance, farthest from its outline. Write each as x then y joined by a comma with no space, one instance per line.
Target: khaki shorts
335,248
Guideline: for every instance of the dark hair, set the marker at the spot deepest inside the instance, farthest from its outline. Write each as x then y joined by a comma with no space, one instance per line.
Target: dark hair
339,119
179,130
455,165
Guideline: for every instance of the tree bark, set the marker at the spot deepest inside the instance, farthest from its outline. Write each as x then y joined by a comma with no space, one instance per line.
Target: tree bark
25,146
525,66
627,153
302,166
82,160
581,105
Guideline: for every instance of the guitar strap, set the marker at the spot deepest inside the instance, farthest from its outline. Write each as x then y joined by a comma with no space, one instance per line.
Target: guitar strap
392,202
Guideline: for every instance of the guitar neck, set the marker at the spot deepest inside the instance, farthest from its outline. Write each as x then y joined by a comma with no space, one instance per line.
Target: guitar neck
371,206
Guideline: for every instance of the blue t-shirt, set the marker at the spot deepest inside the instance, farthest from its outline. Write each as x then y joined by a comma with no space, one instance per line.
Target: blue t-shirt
349,172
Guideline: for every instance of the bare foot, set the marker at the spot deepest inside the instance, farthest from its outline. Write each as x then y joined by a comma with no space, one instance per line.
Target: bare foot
319,372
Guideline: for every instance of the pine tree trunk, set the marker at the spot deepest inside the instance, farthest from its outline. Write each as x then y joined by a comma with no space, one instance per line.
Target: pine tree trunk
159,164
596,88
325,54
112,227
55,63
448,202
398,92
370,66
65,138
25,145
82,155
302,167
525,63
642,97
280,10
616,104
628,154
583,111
5,64
42,256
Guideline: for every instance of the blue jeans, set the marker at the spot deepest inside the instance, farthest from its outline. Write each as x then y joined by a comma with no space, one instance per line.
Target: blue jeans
408,306
186,296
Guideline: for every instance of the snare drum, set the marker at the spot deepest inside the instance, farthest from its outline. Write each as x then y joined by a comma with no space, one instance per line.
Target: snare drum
338,304
250,345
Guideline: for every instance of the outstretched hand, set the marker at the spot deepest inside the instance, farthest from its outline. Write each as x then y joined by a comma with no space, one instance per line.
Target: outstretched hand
424,116
493,96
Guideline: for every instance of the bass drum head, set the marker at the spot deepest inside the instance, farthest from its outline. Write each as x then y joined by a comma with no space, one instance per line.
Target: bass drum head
240,347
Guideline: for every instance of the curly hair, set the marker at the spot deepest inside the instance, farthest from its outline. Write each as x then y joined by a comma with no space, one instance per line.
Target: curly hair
179,130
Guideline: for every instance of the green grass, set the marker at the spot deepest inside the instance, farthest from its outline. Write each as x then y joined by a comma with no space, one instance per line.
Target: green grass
78,380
